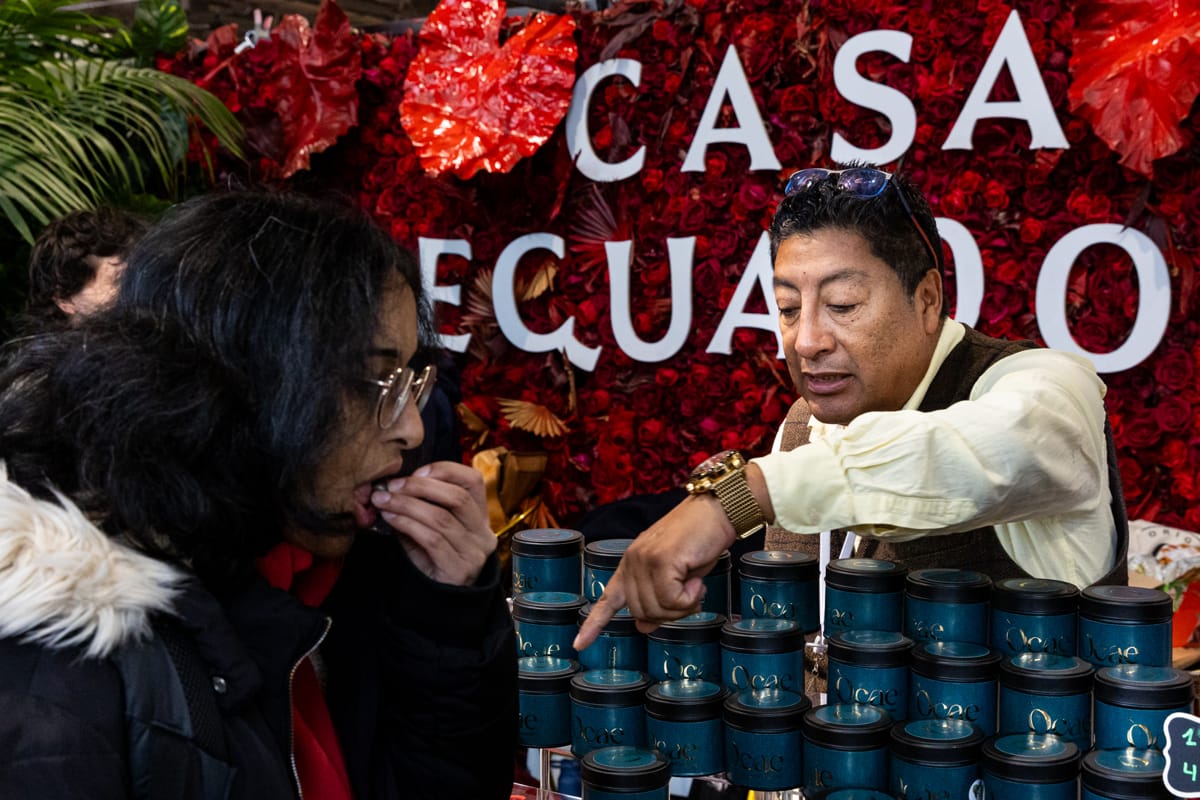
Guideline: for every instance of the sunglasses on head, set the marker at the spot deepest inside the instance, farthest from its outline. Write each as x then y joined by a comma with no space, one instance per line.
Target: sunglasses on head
863,183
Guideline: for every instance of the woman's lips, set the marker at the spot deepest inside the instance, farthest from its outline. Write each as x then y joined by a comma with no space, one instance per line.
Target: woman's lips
364,513
828,383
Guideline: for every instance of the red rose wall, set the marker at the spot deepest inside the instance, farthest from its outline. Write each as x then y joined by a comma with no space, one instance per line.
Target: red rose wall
330,108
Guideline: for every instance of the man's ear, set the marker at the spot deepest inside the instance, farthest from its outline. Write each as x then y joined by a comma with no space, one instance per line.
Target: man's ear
928,300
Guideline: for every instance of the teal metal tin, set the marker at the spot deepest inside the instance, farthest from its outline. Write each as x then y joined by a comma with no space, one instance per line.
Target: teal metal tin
625,773
1128,774
934,758
846,745
1030,767
1045,693
864,594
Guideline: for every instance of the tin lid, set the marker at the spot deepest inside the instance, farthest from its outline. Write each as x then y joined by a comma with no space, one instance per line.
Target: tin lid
621,624
610,687
870,648
851,793
686,700
547,543
605,553
1031,758
625,769
762,636
778,565
1140,686
548,608
1046,673
847,726
545,674
957,662
1128,774
1125,604
948,585
871,575
766,710
1035,596
937,742
703,627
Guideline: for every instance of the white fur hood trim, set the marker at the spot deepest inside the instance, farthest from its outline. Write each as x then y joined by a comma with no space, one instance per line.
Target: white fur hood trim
63,582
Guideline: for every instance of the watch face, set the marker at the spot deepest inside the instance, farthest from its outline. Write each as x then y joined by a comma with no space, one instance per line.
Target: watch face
712,468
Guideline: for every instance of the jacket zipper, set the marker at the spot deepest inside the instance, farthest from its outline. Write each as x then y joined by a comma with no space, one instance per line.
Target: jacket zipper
291,712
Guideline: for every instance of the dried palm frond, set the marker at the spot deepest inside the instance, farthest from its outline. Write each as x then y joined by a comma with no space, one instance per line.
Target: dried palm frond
532,417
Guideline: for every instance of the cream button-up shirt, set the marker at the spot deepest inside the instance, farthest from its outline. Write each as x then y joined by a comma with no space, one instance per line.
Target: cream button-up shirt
1026,454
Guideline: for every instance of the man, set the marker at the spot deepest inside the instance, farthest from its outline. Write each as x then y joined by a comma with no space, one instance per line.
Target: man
76,263
944,446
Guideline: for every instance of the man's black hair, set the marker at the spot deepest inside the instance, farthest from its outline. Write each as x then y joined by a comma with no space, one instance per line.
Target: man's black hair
882,220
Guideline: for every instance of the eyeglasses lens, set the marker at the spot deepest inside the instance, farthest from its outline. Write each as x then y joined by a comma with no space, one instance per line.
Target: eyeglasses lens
405,383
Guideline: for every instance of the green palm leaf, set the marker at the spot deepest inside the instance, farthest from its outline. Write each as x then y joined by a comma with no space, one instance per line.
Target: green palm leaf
75,132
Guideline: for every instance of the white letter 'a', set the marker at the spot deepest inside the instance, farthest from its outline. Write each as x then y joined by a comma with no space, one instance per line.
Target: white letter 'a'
505,301
731,80
579,138
1033,106
620,261
758,271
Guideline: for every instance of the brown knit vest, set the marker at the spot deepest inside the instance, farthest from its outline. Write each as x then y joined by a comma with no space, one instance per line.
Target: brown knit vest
977,549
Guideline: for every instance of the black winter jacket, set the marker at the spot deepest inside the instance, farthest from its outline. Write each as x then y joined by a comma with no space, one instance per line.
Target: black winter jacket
420,677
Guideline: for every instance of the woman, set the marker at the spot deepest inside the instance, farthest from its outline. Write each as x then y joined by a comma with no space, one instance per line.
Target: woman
191,476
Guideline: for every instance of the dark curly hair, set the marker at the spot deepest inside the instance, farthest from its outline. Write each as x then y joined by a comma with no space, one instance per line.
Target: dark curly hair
883,221
192,415
60,265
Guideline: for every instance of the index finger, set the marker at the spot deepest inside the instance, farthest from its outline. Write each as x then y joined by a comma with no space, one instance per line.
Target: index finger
601,613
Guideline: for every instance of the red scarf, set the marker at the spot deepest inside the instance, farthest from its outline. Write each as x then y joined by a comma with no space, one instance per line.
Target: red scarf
319,762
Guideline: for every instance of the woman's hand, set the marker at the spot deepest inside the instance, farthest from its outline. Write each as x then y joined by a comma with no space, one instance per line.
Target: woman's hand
440,512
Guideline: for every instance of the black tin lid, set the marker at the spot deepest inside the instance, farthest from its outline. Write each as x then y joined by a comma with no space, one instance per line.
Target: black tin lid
851,793
766,710
724,563
762,636
606,553
622,623
868,575
937,742
1035,596
548,608
685,701
1128,774
703,627
545,674
870,648
610,687
847,726
1125,604
547,543
956,662
1031,758
624,769
1140,686
939,585
778,565
1046,673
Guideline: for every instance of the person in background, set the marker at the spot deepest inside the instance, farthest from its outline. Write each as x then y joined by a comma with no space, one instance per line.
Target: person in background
940,446
76,264
212,585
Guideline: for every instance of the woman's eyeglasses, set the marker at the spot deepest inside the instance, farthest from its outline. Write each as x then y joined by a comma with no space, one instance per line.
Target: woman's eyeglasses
863,183
400,385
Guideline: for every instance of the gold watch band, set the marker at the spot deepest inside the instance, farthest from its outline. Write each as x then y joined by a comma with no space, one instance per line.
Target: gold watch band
740,506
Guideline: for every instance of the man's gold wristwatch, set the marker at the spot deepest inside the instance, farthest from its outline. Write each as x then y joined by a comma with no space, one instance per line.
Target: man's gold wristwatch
725,476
